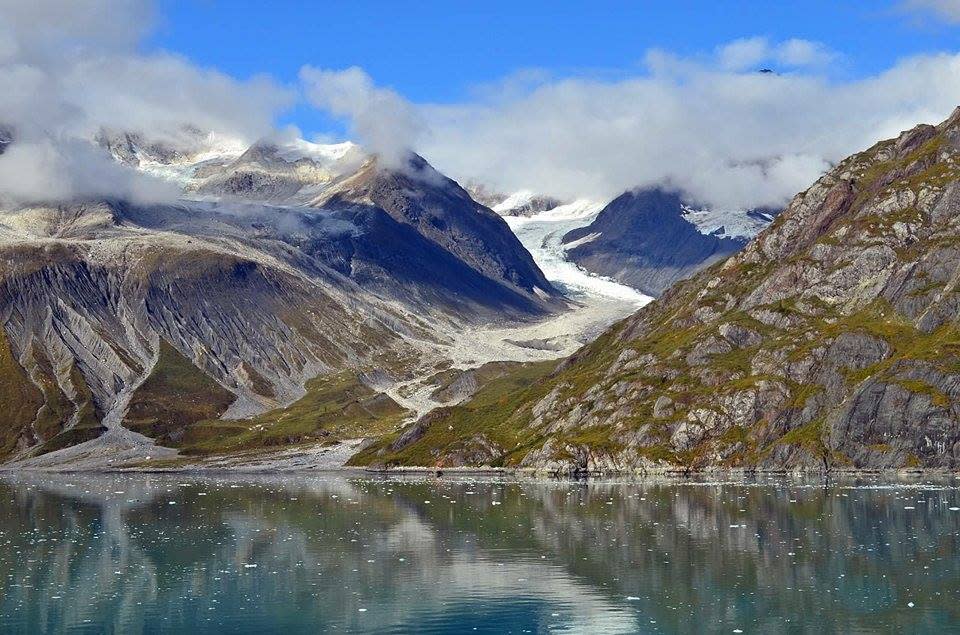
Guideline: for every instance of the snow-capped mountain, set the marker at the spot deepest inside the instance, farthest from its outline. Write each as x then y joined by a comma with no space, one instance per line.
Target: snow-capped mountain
519,203
649,239
282,264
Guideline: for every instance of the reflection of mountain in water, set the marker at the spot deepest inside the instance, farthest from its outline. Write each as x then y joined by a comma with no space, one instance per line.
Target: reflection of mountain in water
155,553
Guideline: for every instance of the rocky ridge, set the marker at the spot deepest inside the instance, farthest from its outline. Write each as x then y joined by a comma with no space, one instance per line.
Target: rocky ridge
829,342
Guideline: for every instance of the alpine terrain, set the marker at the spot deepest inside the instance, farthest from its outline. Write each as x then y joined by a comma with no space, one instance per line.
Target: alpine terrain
831,341
650,239
282,300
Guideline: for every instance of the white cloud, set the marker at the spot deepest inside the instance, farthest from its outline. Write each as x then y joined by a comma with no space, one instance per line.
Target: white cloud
744,53
723,135
70,169
948,10
749,53
72,67
731,139
796,52
383,122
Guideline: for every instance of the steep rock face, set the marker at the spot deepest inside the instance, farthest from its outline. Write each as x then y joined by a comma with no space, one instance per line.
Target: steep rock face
642,239
831,341
438,209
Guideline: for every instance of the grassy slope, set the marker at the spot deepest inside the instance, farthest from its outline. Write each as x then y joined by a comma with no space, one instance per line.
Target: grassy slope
87,425
19,399
174,396
334,407
39,415
492,411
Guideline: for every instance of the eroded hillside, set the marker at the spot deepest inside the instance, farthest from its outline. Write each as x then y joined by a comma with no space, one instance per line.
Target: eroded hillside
830,341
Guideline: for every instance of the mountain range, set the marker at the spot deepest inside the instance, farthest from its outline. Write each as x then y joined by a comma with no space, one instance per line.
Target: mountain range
128,323
829,342
298,298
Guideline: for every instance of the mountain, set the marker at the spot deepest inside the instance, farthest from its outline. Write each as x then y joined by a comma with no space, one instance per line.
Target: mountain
519,203
438,209
831,341
257,311
650,239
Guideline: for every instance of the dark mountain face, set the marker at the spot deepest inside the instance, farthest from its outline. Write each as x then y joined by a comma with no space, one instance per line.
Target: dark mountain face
439,210
642,239
831,341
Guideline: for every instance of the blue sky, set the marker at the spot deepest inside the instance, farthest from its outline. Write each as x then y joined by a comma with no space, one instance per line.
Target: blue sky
438,51
569,99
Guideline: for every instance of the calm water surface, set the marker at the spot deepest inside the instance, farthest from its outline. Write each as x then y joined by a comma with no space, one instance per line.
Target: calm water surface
296,554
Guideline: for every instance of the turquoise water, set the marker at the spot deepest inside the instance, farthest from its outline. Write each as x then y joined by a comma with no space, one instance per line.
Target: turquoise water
297,554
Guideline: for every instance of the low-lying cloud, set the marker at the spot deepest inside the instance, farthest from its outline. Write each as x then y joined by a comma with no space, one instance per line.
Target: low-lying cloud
70,68
727,138
381,120
69,169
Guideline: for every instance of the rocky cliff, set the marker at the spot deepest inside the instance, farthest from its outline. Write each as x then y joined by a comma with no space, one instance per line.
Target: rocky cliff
831,341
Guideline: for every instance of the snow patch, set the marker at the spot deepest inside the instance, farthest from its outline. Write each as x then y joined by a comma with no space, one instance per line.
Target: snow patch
318,152
517,199
582,241
736,224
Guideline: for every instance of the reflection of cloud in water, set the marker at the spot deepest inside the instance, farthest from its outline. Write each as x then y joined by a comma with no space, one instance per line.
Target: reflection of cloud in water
298,553
264,548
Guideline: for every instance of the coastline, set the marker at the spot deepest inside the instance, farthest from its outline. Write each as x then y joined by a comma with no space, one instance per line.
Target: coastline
514,473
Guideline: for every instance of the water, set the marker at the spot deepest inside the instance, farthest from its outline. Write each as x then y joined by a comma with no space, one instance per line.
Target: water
308,554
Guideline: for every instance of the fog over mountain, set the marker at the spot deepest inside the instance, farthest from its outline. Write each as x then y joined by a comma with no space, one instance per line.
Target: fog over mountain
70,68
709,126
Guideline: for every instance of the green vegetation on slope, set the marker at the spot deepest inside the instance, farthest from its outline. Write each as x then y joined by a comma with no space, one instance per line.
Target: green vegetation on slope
86,418
174,395
19,400
495,412
334,407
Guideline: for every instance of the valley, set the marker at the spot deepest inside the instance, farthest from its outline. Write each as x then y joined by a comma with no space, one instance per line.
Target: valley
294,215
303,306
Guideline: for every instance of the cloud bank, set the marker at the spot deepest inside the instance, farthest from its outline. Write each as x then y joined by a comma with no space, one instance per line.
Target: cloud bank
70,68
712,127
724,136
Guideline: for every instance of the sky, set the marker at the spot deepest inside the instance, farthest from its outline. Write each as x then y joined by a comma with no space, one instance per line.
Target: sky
434,51
572,99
